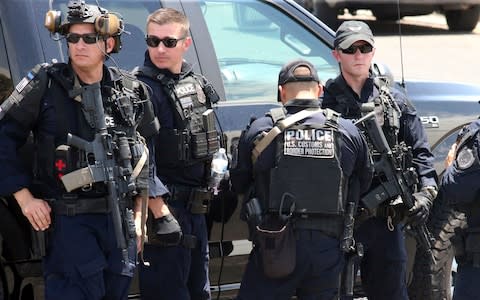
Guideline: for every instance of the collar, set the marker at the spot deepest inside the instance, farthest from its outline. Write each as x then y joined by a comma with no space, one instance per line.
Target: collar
304,103
186,70
366,92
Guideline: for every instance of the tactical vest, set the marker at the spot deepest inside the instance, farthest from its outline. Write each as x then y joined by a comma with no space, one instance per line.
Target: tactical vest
195,137
346,107
307,179
351,109
53,158
467,242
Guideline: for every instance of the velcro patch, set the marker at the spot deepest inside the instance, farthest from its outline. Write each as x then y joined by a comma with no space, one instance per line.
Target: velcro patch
315,143
186,89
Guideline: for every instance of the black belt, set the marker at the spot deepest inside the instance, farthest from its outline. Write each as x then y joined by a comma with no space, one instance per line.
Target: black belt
195,199
71,206
328,225
310,234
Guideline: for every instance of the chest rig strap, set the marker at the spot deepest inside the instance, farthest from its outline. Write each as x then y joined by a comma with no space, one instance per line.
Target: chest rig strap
263,143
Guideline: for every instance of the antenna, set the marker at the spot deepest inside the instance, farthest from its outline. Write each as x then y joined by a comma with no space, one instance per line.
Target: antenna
400,39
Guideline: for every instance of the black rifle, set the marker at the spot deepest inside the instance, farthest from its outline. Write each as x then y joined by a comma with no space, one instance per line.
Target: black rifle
109,159
397,178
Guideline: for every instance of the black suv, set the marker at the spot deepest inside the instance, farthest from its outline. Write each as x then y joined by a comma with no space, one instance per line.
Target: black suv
240,46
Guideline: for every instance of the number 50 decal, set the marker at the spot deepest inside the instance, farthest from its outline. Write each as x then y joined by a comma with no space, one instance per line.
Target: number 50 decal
430,121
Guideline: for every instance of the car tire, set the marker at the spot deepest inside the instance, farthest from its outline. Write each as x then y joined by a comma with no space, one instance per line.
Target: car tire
434,281
326,14
463,20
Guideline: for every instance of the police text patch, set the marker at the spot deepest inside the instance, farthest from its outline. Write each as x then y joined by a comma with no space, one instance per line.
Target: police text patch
316,143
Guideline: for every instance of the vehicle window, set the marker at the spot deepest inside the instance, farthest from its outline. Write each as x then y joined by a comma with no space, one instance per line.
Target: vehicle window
253,40
6,85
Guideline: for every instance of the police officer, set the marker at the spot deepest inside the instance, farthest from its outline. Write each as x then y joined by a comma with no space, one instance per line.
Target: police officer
384,264
178,250
459,186
277,173
89,163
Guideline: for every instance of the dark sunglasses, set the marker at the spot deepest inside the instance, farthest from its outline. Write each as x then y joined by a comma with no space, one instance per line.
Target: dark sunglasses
88,38
365,48
154,41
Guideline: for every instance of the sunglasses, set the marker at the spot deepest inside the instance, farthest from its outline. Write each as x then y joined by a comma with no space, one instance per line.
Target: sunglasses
365,48
88,38
168,42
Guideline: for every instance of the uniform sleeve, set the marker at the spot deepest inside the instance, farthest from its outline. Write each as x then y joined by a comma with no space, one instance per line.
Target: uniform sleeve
241,174
363,164
15,174
459,184
413,133
156,187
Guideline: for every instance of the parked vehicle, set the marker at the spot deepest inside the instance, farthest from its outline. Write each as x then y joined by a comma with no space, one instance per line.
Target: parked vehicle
461,15
240,46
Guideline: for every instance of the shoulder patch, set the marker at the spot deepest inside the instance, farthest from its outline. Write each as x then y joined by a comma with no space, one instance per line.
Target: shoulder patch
465,158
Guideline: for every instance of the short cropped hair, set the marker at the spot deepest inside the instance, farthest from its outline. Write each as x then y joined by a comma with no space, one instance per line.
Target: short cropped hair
164,16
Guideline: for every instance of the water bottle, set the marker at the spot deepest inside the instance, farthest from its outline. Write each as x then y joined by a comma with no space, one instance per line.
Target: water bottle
218,169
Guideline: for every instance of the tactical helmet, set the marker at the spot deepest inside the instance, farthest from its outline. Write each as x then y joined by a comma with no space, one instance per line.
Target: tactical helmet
106,24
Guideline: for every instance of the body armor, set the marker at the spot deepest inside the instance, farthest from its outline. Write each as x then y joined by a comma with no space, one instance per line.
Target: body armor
124,108
196,136
312,152
387,113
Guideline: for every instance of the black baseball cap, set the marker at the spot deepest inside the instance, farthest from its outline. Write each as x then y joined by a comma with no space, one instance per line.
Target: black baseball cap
350,32
287,72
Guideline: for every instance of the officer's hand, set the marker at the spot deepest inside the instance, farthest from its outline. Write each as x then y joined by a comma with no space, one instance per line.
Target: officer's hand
37,211
223,205
451,155
138,230
167,231
418,214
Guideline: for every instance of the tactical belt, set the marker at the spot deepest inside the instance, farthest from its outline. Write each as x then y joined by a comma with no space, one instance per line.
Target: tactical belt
328,225
196,200
382,211
309,234
75,206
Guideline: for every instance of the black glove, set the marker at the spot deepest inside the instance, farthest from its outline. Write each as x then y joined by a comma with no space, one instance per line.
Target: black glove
418,214
224,204
167,231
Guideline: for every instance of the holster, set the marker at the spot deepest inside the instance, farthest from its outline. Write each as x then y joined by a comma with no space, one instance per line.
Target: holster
39,243
197,200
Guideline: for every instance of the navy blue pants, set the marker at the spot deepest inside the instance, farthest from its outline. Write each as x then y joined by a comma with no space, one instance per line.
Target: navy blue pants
178,272
83,261
384,266
467,283
316,275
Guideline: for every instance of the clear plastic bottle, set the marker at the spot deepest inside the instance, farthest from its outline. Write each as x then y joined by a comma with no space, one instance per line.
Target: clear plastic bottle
218,169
